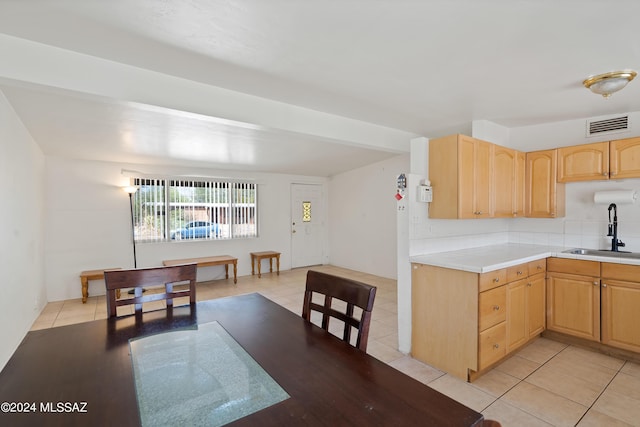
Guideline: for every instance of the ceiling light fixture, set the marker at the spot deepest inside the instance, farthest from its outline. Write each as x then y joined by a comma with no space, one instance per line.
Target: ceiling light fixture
608,83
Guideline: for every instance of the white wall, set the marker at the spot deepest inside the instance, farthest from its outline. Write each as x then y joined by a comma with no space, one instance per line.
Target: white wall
564,133
22,166
362,217
88,224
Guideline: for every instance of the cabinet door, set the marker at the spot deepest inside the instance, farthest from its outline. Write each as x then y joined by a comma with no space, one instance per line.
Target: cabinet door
535,304
505,164
545,197
466,177
483,179
625,158
475,158
620,314
520,182
517,328
573,305
585,162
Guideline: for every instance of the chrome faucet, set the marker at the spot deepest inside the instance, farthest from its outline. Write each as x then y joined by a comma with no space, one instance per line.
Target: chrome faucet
613,229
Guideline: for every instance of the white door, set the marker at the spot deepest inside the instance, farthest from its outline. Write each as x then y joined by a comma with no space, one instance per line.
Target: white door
307,224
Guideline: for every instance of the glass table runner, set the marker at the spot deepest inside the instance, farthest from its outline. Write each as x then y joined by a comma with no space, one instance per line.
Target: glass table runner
198,377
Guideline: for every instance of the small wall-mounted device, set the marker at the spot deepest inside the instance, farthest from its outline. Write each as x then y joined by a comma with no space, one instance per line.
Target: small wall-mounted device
425,194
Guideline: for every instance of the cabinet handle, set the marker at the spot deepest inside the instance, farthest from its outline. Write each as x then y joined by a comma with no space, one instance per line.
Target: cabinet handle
496,346
605,174
529,284
614,173
596,283
497,279
604,285
496,307
519,273
539,267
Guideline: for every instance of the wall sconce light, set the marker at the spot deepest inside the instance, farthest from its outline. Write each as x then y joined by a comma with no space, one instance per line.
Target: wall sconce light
608,83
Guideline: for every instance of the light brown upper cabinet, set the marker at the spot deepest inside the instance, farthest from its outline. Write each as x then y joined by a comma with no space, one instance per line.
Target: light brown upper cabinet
587,162
508,178
624,158
460,173
545,197
616,159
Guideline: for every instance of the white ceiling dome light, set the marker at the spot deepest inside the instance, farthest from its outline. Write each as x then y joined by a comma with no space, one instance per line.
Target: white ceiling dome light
608,83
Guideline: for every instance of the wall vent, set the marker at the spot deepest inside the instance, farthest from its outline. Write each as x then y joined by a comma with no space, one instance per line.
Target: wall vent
604,126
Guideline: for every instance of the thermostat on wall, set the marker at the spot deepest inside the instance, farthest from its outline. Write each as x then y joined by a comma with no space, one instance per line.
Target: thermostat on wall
424,193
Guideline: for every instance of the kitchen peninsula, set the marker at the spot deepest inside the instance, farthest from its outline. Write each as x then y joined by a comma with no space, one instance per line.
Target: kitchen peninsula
472,308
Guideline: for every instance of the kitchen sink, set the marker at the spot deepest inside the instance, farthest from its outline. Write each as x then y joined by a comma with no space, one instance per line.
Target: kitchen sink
603,252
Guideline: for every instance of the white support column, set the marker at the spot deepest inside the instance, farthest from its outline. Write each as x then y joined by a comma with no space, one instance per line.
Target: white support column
409,212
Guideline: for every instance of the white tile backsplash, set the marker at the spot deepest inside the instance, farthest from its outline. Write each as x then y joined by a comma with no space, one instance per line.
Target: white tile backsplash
584,225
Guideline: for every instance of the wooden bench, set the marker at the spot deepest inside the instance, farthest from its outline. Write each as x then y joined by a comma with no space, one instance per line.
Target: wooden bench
259,256
209,261
87,275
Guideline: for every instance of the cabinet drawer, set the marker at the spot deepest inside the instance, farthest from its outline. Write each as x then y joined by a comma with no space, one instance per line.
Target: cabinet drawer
574,266
492,345
538,266
628,273
492,279
492,307
517,272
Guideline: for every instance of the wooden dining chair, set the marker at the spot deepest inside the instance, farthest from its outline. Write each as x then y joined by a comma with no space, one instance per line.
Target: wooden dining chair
353,293
147,278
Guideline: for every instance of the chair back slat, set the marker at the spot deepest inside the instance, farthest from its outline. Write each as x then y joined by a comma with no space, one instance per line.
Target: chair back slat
149,277
352,292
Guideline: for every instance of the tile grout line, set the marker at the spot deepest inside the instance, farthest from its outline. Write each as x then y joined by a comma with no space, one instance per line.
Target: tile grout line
603,390
520,381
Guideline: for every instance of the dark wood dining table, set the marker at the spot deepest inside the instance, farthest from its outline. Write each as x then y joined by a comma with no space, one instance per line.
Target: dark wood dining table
87,367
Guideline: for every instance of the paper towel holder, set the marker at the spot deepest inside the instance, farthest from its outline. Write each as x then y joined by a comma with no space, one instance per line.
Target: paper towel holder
617,196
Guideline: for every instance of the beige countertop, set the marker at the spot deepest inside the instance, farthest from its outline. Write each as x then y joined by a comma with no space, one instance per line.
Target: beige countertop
489,258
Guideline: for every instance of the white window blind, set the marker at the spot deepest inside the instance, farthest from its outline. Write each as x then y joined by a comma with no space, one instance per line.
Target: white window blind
176,209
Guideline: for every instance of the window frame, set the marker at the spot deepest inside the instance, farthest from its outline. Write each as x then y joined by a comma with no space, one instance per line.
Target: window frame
231,206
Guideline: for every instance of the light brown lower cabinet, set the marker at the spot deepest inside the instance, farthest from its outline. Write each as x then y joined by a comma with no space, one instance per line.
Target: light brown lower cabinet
464,323
621,306
595,301
574,305
461,321
573,297
525,310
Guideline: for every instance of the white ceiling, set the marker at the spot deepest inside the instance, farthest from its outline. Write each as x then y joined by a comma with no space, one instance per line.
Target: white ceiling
398,68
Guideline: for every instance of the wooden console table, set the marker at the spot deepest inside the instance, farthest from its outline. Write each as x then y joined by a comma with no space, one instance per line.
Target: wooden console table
259,256
209,261
87,275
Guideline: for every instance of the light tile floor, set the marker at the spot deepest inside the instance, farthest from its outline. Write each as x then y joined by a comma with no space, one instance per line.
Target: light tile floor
545,384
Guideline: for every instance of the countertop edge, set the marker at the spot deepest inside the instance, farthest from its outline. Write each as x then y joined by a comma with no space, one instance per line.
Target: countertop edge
453,259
